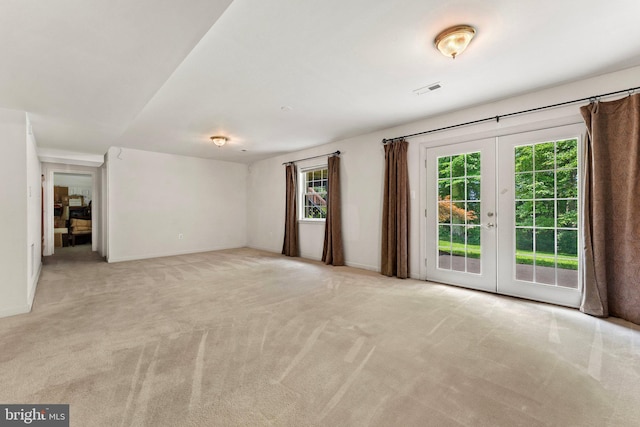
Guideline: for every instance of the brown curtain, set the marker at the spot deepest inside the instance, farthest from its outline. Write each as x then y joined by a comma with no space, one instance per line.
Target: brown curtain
611,209
332,253
395,211
290,245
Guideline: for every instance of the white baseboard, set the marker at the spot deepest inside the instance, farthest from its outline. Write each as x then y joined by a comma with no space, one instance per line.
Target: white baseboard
23,309
113,259
15,310
279,252
311,257
348,263
34,286
363,266
260,248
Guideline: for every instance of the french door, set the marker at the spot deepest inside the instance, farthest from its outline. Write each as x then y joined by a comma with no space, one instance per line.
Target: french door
502,215
461,214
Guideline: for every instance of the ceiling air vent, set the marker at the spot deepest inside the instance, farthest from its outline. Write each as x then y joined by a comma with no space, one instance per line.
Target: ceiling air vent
427,88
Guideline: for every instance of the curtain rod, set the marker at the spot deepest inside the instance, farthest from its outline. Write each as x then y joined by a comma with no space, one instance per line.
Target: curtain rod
335,153
498,117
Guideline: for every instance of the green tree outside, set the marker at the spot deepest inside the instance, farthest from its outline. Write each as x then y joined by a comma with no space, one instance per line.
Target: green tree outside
546,207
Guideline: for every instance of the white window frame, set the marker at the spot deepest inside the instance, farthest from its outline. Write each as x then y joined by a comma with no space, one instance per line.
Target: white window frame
302,190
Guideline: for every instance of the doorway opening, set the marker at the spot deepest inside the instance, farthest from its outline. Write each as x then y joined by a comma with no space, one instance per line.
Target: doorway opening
502,215
72,213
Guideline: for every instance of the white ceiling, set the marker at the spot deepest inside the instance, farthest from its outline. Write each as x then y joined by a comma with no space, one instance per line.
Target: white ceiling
166,75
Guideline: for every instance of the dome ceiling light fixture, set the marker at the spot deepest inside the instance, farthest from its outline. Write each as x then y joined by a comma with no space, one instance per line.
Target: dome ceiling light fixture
454,40
219,140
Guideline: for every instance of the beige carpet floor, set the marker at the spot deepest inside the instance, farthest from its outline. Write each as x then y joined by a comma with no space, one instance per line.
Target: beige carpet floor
248,338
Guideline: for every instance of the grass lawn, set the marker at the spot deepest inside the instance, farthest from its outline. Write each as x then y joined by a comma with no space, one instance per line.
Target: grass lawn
568,262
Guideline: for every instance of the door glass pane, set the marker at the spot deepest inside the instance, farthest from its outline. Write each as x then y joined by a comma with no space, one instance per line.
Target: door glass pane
568,183
473,164
524,254
444,211
567,213
567,249
458,213
473,213
473,188
567,154
524,185
444,188
458,240
546,212
459,208
545,260
544,158
524,158
457,189
458,166
473,250
524,213
544,188
444,247
444,167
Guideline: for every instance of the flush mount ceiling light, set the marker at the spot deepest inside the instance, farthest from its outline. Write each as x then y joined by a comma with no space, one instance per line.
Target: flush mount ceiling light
219,140
454,40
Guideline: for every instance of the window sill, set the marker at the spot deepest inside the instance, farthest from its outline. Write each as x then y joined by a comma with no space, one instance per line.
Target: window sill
312,221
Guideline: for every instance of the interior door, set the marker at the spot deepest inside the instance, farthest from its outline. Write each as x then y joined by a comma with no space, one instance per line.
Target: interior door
539,202
461,215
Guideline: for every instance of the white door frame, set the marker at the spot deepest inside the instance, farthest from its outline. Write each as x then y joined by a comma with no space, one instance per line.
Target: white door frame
95,207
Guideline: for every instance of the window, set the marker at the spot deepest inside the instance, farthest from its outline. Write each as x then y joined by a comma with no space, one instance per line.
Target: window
313,193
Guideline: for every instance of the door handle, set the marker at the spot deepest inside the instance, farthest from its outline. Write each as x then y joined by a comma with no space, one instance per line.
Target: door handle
490,225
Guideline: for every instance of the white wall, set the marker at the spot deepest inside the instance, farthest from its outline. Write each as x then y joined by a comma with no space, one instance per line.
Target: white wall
13,245
362,171
154,197
14,213
34,215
